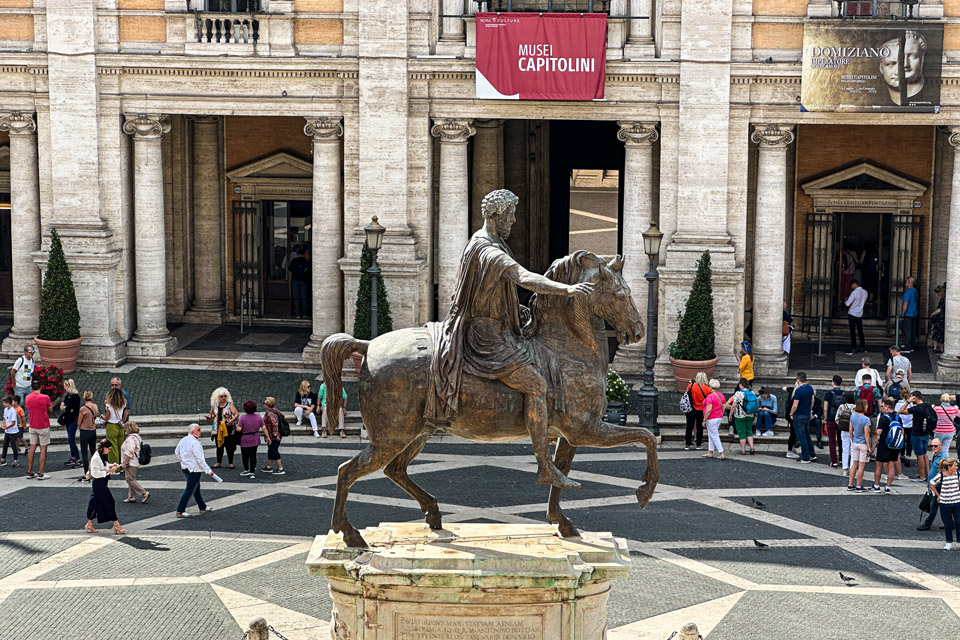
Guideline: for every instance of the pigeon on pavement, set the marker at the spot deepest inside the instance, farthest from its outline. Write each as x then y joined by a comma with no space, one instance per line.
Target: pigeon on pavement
760,545
847,578
757,504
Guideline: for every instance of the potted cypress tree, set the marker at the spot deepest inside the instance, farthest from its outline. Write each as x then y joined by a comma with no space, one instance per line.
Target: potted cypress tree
362,321
58,338
694,348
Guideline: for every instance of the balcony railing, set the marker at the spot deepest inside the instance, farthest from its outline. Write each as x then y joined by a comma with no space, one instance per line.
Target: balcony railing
876,8
545,6
227,28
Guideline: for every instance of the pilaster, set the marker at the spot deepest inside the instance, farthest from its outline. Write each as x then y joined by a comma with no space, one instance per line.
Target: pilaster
948,367
487,166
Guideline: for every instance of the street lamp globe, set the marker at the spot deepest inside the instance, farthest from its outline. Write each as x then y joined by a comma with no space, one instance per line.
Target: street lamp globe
651,241
374,235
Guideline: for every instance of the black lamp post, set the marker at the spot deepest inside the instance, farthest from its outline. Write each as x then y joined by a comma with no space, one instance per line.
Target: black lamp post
374,240
648,392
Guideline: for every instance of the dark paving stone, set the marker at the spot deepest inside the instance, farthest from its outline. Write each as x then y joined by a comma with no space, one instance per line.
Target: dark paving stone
297,467
485,486
936,562
673,520
866,515
819,566
229,338
20,554
287,583
655,586
761,615
161,612
706,474
290,515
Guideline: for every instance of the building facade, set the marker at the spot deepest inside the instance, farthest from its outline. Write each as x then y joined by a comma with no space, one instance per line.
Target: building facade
183,152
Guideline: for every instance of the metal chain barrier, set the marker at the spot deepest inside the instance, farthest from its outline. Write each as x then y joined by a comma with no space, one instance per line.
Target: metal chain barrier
276,633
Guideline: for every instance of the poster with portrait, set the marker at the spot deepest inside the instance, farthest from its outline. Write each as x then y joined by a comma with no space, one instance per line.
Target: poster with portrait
871,66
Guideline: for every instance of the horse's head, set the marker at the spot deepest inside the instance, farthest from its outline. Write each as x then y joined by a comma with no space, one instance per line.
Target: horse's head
611,301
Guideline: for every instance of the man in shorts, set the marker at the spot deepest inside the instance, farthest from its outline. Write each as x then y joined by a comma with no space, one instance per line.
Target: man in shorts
38,407
918,413
886,457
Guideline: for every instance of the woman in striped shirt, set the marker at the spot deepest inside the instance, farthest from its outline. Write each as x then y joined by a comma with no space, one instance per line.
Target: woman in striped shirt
946,487
946,414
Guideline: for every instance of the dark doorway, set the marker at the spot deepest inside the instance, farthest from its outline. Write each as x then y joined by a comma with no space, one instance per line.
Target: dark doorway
6,261
287,226
867,237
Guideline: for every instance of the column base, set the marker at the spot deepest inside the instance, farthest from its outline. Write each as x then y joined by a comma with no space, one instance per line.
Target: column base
771,365
639,50
205,315
453,48
629,360
16,341
948,368
311,352
151,347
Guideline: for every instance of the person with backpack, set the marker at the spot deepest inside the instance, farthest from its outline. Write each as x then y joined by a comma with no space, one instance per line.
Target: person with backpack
946,488
938,456
742,407
697,390
924,425
767,414
842,419
889,444
277,430
865,370
895,386
130,462
871,394
946,414
800,411
832,400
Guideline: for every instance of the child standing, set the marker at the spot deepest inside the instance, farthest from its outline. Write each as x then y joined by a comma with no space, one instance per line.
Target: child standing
842,418
11,432
21,421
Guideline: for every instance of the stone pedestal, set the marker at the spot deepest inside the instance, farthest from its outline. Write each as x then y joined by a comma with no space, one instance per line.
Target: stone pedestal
469,582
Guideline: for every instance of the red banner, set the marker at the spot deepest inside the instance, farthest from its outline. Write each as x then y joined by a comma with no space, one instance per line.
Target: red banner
541,56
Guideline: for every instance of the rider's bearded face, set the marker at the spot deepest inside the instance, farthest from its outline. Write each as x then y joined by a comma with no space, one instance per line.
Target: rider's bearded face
505,220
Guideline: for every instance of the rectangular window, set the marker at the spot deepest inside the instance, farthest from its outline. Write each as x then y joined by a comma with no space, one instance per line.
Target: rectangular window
547,6
594,211
233,6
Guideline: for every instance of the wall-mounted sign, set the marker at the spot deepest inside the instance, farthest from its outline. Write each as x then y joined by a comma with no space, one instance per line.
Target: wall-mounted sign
541,56
872,66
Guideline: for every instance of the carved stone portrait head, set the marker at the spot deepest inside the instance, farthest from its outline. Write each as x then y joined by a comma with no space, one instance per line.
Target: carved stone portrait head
499,208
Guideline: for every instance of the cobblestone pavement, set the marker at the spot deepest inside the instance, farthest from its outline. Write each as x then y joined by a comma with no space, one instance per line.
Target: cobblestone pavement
692,548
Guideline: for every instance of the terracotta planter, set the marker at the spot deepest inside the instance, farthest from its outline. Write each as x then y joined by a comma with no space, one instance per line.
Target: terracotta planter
357,360
686,370
61,353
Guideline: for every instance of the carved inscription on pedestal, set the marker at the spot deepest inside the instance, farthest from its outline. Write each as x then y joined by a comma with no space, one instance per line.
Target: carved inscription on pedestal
473,628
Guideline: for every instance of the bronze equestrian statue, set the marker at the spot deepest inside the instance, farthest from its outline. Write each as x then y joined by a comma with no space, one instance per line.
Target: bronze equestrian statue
494,370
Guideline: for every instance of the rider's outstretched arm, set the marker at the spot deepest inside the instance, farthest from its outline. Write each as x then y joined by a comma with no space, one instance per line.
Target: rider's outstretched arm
542,285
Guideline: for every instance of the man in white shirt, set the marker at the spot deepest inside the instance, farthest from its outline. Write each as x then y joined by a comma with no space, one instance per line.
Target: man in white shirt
897,362
866,370
22,373
189,452
855,302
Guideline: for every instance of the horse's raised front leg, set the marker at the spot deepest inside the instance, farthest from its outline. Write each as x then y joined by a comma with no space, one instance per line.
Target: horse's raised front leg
371,459
604,435
563,459
397,471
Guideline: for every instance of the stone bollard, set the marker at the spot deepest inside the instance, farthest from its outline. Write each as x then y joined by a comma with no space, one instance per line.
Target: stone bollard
258,630
689,631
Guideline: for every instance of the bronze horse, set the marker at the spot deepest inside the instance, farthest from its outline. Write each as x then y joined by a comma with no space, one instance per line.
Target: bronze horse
395,379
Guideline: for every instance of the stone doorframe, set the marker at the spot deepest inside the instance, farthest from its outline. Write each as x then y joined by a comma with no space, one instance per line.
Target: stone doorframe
862,188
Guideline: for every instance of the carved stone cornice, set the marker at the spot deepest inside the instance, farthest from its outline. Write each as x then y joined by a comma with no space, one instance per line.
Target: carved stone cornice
772,136
456,130
637,133
323,128
203,119
145,126
491,124
953,135
18,123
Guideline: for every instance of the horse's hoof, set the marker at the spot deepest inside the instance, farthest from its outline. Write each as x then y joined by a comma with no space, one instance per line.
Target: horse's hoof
352,538
434,520
644,493
557,479
567,530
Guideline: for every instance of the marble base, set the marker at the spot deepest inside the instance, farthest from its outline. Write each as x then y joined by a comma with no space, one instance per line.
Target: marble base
151,348
469,581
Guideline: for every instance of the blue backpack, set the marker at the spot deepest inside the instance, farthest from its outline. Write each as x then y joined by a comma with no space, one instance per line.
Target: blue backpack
895,435
750,404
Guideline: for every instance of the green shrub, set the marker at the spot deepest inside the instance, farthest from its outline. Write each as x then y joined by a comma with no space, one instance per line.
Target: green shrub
361,323
59,315
696,336
617,389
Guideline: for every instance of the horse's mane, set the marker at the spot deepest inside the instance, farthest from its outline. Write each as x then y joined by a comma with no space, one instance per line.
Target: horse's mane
567,270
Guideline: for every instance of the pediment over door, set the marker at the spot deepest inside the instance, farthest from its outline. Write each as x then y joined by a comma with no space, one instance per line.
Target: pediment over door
863,187
281,176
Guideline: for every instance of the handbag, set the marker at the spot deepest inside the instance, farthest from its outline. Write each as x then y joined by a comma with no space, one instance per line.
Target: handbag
686,403
785,329
926,502
62,419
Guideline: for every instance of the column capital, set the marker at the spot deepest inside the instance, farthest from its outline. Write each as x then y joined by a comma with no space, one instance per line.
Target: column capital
453,129
18,123
637,133
323,128
144,126
203,119
953,135
772,136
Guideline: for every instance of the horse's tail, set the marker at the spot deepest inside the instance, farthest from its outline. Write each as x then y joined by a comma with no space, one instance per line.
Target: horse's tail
333,352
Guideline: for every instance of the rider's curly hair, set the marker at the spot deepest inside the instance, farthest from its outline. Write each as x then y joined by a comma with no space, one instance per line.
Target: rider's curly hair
496,202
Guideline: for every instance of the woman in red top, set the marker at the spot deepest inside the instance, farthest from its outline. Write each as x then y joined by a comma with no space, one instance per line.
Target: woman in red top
699,389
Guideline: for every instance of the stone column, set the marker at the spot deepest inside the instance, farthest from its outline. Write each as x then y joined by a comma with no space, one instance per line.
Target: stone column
454,223
640,30
770,230
151,337
638,138
208,305
25,221
327,295
487,165
948,367
452,32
